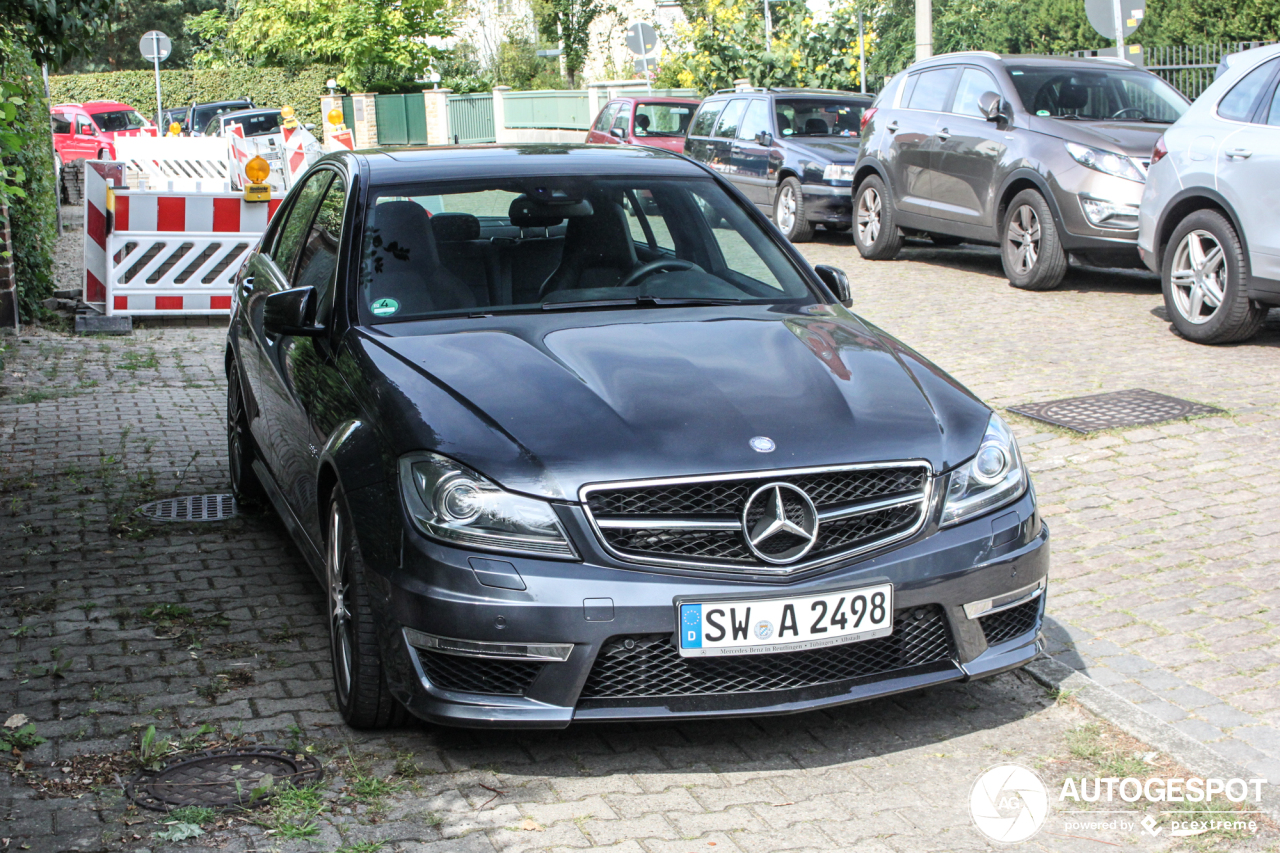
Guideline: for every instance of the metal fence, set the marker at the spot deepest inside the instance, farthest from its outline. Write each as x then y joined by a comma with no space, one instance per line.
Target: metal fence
1190,68
565,110
471,118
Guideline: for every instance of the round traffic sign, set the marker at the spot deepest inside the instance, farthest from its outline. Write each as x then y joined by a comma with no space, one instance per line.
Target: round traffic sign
155,44
1102,15
641,39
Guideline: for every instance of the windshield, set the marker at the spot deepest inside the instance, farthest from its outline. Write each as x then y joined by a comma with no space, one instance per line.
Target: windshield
204,114
1100,94
662,119
118,120
543,244
818,117
260,124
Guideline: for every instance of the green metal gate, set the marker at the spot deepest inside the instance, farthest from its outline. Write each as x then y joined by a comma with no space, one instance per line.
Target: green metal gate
402,119
471,118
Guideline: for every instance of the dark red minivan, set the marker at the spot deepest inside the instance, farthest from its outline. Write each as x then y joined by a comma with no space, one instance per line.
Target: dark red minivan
659,122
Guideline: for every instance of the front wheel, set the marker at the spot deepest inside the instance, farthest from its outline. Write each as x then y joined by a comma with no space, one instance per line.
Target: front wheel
789,213
1203,275
1029,249
875,231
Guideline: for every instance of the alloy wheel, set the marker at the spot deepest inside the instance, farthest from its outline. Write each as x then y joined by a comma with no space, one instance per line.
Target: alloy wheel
786,209
340,624
1198,277
869,216
1024,235
235,435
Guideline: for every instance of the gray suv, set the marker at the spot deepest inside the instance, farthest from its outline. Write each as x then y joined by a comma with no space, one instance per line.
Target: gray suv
1042,156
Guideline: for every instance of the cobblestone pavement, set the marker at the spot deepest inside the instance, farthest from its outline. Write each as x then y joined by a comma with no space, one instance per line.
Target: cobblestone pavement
109,624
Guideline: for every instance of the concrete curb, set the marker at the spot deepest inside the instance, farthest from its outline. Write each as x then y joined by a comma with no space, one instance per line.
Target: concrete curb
1197,757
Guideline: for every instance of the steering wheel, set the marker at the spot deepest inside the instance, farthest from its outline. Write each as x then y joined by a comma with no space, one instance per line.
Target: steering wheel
660,265
1119,113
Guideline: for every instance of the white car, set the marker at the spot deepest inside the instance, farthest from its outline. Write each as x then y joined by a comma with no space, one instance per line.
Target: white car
1209,222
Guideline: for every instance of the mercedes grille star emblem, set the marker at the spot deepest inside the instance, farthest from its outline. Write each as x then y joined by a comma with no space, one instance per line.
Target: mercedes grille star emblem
762,444
780,523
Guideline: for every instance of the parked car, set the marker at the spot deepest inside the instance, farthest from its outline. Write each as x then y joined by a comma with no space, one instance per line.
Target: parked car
199,115
791,151
1042,156
88,131
1208,224
255,123
657,122
571,433
177,116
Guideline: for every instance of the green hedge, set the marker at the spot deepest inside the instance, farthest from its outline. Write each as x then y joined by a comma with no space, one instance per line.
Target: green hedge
267,87
33,222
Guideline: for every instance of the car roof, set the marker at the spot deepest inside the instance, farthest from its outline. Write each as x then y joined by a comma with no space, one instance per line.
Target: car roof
656,99
459,162
242,113
793,93
94,107
1030,59
221,103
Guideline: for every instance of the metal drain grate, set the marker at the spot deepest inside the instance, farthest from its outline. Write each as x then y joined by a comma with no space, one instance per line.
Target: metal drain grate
191,508
1116,410
223,778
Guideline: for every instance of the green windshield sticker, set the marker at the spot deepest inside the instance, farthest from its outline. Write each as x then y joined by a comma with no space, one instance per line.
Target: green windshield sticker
1042,112
385,307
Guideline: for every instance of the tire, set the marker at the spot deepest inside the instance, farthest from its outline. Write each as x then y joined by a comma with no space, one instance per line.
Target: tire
788,212
359,683
1029,246
103,154
875,229
241,450
945,241
1191,286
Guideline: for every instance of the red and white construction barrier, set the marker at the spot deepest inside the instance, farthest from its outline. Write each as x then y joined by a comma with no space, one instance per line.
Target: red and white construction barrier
301,149
164,253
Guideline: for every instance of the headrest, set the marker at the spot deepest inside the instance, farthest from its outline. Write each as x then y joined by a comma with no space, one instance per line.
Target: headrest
455,227
642,121
527,213
404,229
1073,96
784,123
816,126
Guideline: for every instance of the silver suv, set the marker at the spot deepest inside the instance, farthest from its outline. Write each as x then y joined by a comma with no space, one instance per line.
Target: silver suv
1043,156
1209,222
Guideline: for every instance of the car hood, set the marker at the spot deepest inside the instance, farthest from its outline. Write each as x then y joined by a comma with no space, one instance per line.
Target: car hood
1133,138
830,148
545,405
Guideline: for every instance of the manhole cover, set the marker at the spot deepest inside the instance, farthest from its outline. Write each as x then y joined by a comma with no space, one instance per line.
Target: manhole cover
191,508
1111,411
223,778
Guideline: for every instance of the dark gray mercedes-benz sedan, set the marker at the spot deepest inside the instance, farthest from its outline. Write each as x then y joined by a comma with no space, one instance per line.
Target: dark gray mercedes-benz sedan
572,433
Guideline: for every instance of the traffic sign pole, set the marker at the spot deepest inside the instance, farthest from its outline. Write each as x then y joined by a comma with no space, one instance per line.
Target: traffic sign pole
1119,18
156,46
155,43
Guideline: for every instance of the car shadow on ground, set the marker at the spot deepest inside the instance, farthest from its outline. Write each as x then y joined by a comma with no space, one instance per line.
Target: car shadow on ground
1267,336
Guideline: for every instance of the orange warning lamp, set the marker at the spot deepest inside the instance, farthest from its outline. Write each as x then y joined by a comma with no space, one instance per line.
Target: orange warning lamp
287,116
334,116
257,171
175,129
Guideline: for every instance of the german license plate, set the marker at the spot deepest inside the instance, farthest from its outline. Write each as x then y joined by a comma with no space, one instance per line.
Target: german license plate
792,624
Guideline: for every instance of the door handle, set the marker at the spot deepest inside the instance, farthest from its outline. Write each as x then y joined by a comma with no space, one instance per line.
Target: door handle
892,127
1242,153
944,134
246,286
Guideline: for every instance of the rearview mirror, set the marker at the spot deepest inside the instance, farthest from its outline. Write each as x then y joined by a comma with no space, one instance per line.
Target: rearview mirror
764,138
617,133
991,106
836,280
291,312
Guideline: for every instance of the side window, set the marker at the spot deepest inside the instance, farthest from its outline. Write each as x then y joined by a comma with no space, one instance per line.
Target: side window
606,117
83,126
706,118
319,259
624,117
1240,102
60,123
756,121
731,118
294,229
1273,114
973,85
931,90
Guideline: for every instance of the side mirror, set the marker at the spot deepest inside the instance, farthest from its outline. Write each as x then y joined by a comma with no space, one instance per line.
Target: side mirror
764,138
991,106
291,312
836,280
618,134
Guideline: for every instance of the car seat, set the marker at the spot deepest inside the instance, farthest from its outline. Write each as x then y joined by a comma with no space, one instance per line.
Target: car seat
404,264
598,250
816,127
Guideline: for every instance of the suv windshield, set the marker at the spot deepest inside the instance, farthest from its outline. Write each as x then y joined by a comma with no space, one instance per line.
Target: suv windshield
118,120
1120,94
202,115
662,119
260,124
541,244
818,117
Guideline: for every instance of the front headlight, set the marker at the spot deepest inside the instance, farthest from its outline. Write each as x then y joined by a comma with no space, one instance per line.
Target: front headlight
837,173
1105,161
450,502
994,476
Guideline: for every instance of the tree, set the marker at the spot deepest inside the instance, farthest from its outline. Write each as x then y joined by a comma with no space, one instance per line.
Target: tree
115,45
53,31
569,22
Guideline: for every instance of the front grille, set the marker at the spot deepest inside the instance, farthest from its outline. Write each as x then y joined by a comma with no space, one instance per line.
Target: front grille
1010,623
652,668
659,523
478,675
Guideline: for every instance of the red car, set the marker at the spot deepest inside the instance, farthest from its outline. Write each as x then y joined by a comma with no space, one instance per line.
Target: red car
658,122
88,131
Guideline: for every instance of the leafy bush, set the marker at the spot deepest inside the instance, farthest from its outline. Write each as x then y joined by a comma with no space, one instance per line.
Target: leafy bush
267,87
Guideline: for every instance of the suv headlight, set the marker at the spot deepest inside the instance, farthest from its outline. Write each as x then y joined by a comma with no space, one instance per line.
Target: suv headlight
452,503
1105,161
836,172
994,476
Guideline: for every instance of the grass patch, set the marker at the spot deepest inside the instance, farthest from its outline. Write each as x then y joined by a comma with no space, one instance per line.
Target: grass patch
293,812
362,847
199,815
134,360
1089,744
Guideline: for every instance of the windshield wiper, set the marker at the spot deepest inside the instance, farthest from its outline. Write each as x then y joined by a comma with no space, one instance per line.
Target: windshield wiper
1073,117
657,301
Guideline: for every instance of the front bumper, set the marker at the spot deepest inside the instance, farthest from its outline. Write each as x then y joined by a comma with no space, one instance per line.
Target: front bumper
599,604
827,203
1105,247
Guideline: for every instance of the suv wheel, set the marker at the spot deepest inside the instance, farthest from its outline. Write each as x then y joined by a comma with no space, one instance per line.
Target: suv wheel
788,212
364,700
1033,257
1203,274
875,232
245,486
